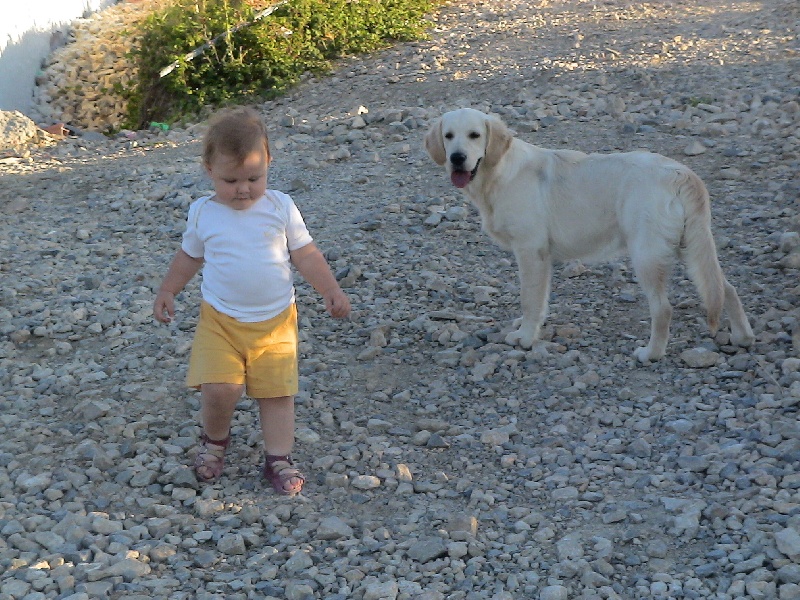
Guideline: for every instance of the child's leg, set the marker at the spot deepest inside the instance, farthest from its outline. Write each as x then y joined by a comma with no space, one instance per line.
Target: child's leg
277,428
218,402
277,424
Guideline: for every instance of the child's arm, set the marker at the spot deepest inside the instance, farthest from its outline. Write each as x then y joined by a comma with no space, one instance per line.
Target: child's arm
310,263
181,270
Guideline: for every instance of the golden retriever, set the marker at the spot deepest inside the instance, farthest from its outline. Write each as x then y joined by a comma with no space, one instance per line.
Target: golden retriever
555,205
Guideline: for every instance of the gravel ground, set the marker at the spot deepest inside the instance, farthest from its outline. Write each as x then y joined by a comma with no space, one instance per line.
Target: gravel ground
442,463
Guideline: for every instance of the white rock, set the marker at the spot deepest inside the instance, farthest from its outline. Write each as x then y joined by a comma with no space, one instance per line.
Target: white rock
788,541
365,482
554,592
700,358
694,148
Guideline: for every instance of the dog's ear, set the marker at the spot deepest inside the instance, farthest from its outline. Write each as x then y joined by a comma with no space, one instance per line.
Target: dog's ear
434,143
498,140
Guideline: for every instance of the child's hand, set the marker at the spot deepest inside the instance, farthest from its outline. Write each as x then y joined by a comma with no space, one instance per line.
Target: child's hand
164,306
338,304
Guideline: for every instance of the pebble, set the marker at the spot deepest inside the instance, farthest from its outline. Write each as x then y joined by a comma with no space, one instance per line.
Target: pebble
441,462
788,542
700,357
694,148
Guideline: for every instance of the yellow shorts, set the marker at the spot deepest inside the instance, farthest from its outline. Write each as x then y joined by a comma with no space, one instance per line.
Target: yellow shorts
262,356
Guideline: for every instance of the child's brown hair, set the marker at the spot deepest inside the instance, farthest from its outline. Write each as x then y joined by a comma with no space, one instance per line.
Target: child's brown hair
235,132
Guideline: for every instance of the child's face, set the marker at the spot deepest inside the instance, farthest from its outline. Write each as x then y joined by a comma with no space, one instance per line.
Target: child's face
239,184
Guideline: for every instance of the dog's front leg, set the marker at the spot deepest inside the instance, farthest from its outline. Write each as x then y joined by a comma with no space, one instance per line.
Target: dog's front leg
535,270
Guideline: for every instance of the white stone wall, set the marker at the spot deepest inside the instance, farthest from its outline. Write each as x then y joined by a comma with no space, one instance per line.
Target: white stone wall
26,29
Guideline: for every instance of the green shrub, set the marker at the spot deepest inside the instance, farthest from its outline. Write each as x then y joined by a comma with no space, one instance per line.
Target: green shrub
260,59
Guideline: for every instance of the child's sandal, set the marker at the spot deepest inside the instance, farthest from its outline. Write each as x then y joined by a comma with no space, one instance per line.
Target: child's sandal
281,473
210,459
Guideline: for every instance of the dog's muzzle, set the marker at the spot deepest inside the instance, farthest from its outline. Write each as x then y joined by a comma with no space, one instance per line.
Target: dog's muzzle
459,176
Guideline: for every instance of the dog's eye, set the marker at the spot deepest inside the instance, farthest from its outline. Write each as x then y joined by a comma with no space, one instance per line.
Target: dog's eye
474,135
448,136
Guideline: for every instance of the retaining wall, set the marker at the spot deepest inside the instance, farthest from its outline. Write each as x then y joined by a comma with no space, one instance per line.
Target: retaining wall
29,29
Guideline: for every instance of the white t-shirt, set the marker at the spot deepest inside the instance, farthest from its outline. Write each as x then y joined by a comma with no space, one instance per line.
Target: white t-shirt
247,274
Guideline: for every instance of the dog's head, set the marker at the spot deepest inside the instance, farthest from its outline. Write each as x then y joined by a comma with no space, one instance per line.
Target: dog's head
467,141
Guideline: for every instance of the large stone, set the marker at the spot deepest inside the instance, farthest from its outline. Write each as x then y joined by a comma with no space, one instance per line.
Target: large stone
17,131
427,549
333,528
788,541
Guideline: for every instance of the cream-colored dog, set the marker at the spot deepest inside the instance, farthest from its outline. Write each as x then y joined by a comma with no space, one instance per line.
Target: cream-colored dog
555,205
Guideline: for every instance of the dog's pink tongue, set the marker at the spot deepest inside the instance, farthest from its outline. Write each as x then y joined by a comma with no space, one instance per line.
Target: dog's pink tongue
460,178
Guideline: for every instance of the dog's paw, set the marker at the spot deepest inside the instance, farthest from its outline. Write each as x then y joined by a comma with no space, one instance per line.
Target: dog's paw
647,354
745,340
521,338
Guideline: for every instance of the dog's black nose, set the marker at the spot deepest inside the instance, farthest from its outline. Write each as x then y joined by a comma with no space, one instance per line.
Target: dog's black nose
458,158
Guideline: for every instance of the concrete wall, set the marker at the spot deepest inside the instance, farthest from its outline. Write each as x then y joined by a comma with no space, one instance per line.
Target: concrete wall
26,28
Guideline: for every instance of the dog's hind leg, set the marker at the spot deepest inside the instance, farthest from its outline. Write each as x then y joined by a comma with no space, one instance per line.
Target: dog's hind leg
653,272
741,332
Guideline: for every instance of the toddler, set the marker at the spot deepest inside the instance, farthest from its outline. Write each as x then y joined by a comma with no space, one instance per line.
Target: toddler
246,237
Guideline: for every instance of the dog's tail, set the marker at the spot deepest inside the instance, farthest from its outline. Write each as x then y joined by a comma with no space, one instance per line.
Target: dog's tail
698,246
